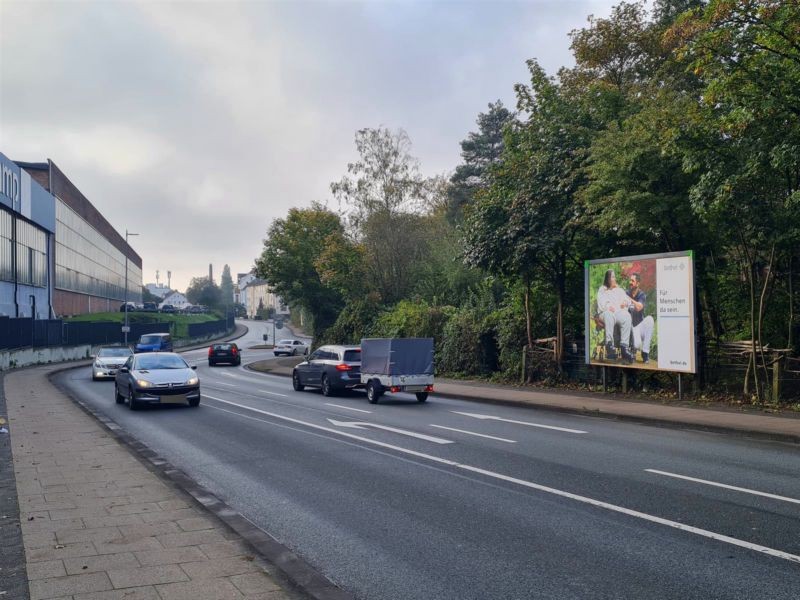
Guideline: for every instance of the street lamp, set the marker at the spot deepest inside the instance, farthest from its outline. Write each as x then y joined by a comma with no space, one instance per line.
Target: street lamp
125,329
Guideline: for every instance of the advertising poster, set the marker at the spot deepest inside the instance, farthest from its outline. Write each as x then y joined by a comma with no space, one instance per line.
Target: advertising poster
640,312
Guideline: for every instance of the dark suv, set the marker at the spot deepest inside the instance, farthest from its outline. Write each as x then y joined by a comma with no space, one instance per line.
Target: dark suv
154,342
331,368
224,353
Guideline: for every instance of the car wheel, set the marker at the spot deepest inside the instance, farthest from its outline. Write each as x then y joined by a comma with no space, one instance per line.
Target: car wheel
117,396
238,362
132,403
94,378
195,403
298,387
294,351
327,388
211,363
422,396
374,391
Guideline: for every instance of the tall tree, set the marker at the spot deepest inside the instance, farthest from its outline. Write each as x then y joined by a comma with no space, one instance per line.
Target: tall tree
226,285
288,263
204,291
480,151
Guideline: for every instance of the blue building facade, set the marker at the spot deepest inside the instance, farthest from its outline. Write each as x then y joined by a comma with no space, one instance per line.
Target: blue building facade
27,244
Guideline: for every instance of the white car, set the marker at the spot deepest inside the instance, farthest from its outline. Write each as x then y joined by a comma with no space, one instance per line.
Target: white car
108,361
290,348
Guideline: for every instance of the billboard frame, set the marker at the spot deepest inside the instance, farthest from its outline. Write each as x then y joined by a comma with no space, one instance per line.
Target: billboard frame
692,308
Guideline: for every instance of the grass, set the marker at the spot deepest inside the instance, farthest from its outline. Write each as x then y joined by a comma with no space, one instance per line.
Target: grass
179,327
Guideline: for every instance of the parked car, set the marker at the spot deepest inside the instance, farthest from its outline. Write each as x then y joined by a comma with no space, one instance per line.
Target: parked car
168,308
131,307
154,342
224,353
290,348
108,360
156,378
330,368
150,307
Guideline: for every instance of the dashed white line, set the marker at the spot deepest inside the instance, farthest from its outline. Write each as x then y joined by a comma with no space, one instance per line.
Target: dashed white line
528,423
228,384
483,435
273,393
725,485
542,488
361,410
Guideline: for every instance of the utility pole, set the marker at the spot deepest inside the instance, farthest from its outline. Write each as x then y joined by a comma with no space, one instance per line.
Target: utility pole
125,329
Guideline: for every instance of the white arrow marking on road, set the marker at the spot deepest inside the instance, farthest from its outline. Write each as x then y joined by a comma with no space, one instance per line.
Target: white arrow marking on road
359,425
521,482
529,424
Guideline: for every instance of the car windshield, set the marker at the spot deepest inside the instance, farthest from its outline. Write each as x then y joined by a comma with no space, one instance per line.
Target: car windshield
285,342
150,339
107,352
352,356
160,361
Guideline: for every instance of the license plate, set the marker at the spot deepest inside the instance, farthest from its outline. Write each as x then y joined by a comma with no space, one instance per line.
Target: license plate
173,399
415,388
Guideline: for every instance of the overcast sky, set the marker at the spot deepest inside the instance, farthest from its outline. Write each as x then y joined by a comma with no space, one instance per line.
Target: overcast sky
196,124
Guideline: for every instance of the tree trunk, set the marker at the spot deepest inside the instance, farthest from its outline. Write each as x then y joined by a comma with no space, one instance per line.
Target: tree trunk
790,338
764,287
528,325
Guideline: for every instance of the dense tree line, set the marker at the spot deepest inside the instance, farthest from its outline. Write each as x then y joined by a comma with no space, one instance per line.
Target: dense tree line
678,128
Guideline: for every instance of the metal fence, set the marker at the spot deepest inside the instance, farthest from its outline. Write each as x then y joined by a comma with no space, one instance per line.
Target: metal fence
197,330
43,333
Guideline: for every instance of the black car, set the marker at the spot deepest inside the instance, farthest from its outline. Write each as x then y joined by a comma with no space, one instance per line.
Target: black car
131,307
150,307
224,353
330,368
168,308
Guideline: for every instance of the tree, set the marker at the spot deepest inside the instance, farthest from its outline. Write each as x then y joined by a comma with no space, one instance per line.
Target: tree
148,296
288,263
383,194
226,285
479,152
205,292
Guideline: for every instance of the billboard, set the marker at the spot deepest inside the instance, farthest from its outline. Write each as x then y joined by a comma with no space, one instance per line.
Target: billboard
640,312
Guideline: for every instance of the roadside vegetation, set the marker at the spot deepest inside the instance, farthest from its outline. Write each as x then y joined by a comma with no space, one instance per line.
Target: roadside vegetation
179,322
678,128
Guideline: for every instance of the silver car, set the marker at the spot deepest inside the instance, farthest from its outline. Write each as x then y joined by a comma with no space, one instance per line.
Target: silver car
290,348
108,361
156,378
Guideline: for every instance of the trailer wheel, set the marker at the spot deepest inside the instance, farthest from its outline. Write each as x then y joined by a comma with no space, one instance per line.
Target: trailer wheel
374,391
422,396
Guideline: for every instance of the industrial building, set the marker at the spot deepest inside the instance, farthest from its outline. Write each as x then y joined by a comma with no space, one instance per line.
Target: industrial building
58,255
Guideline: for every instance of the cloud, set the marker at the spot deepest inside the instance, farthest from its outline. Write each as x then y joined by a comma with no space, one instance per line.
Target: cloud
197,124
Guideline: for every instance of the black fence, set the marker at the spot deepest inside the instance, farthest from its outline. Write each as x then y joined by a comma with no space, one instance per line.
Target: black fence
43,333
197,330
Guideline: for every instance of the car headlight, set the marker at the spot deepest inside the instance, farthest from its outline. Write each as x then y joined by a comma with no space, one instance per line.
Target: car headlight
193,381
143,384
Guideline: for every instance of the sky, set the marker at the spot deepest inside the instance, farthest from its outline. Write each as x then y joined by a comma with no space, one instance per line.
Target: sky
196,124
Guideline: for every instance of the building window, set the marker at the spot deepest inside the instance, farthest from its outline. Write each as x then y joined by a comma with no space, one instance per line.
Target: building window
31,254
6,254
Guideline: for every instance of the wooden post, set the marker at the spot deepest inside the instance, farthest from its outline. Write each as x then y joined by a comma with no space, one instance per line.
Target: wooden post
605,381
524,364
680,388
776,380
624,381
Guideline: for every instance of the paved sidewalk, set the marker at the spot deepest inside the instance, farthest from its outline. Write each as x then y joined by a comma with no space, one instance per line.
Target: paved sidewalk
97,524
779,427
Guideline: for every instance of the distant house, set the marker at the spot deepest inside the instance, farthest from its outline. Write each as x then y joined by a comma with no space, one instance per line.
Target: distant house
258,292
158,289
177,300
242,280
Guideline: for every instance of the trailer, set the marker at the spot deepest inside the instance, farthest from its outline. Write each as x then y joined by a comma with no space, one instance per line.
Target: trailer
397,365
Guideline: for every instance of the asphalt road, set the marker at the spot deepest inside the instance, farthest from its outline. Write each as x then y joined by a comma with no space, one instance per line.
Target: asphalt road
405,501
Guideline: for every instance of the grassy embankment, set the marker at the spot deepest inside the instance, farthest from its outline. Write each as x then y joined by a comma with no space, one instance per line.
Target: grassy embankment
179,327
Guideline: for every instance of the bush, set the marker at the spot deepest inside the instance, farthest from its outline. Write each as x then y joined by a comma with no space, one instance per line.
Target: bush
469,346
353,323
413,319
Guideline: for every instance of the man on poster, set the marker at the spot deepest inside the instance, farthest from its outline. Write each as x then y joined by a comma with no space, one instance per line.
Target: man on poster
613,305
642,326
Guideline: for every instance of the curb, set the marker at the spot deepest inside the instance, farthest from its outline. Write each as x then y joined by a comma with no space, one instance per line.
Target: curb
590,412
292,569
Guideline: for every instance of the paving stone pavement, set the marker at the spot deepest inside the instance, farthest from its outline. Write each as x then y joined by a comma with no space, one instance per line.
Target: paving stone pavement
97,524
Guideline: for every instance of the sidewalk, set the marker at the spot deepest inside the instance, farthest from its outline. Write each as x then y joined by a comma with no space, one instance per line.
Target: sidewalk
97,524
777,427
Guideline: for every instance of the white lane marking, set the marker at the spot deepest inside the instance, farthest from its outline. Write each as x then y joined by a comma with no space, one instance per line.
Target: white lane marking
223,383
583,499
483,435
274,393
360,425
724,485
361,410
528,423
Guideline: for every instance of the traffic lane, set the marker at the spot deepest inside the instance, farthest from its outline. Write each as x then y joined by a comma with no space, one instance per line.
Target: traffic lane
749,463
361,517
610,473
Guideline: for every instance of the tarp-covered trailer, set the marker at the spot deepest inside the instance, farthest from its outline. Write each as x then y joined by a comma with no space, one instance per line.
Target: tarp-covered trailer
397,365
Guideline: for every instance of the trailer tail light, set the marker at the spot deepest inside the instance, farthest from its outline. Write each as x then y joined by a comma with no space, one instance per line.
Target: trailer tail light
343,367
394,389
428,388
